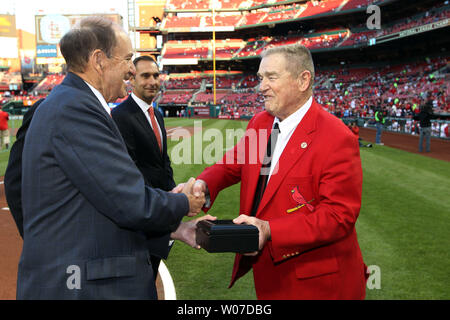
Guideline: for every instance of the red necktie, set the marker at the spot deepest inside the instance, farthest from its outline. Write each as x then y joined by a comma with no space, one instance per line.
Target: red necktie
151,112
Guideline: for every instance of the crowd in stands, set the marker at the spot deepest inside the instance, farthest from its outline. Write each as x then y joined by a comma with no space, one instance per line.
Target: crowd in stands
315,6
10,78
358,35
322,39
347,93
188,4
401,90
434,15
265,11
49,82
355,92
203,49
177,97
182,83
27,99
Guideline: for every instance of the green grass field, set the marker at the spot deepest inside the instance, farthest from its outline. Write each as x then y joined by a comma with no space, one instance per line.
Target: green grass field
403,227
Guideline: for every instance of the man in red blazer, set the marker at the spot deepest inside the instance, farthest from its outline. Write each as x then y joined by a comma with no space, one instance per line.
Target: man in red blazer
308,248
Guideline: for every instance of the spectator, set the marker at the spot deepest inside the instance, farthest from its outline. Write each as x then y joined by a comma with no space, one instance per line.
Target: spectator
380,120
4,130
424,117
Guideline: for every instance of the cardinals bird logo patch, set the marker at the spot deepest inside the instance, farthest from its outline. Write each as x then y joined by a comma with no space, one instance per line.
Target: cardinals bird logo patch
297,196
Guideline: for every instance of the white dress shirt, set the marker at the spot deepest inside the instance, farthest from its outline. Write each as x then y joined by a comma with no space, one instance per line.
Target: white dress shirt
100,98
287,128
144,107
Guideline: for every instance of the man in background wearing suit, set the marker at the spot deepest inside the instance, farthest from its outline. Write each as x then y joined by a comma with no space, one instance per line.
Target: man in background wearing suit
13,174
86,209
304,195
142,128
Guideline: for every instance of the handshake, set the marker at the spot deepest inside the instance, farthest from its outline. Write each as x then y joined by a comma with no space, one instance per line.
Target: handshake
195,192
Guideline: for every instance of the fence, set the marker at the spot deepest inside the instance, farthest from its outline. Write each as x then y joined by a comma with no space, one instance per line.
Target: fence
439,128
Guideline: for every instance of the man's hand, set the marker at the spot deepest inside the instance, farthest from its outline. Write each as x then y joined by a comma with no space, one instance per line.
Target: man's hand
263,227
195,202
199,187
186,231
178,188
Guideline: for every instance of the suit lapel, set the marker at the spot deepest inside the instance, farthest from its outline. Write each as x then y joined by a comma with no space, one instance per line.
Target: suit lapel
160,120
297,146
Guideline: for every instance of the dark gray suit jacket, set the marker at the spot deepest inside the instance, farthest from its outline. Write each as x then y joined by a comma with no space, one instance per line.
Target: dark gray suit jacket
142,145
143,148
86,208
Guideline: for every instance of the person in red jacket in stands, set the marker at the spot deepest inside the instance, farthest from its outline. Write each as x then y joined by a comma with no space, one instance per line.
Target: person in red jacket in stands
4,129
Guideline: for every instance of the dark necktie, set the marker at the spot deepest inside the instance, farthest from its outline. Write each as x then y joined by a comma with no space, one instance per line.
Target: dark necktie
151,112
265,168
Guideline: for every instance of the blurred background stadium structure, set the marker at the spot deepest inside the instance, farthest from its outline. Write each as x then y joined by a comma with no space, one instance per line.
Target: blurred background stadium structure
208,52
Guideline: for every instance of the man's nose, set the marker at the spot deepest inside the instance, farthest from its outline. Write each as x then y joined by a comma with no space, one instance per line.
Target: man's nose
263,85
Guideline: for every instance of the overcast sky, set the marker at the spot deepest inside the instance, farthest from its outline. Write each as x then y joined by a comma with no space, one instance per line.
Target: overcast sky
25,10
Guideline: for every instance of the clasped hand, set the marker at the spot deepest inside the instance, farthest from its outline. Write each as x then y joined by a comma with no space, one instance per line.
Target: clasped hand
196,197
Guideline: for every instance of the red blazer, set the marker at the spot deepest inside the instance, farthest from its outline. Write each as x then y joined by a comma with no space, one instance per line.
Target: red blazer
311,203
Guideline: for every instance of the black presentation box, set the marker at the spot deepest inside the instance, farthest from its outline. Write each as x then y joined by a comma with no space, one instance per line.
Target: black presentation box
225,236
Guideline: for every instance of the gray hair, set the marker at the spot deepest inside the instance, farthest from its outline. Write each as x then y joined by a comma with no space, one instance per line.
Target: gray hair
298,58
88,35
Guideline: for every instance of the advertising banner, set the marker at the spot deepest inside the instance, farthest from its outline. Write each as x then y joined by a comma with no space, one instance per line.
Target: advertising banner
50,28
46,51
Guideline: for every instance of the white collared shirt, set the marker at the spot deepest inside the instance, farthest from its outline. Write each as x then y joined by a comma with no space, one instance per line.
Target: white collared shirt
100,98
144,107
287,128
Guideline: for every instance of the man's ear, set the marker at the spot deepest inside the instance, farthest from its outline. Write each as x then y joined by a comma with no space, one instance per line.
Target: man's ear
133,80
98,60
304,80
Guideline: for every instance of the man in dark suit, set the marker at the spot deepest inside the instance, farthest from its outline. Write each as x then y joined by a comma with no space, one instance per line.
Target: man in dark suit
13,174
142,128
86,208
146,145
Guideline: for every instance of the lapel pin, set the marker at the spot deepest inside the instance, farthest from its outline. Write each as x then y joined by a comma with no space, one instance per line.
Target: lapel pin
303,145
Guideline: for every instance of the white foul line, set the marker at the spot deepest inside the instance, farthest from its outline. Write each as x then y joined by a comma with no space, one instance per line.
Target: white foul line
169,287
